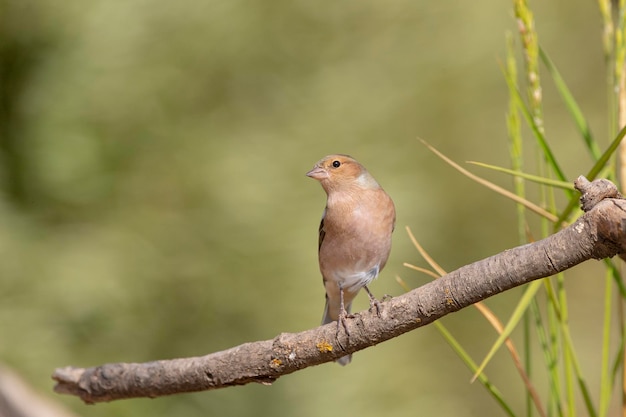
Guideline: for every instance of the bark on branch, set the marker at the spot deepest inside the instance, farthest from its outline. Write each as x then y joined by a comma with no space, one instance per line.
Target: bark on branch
599,233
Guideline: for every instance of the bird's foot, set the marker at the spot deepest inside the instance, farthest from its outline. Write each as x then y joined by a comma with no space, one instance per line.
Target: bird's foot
343,315
373,302
343,321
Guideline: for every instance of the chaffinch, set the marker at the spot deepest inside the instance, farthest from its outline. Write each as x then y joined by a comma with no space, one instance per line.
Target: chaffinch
354,235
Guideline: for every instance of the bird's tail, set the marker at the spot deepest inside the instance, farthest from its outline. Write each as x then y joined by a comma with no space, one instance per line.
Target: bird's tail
330,315
344,360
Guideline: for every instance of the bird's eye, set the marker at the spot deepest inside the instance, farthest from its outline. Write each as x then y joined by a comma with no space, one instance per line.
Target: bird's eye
336,164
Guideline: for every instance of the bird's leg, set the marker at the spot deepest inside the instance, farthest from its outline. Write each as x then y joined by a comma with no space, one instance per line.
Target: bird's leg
343,314
373,301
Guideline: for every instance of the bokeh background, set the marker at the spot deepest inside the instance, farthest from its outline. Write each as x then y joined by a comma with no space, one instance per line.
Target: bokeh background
153,202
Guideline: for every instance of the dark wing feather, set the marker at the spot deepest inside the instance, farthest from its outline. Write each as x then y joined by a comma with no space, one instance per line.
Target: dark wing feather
322,234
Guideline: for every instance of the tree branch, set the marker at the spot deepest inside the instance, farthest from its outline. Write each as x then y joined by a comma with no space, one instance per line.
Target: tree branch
599,233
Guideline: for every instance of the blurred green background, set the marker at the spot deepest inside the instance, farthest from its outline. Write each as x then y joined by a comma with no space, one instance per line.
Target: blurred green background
153,202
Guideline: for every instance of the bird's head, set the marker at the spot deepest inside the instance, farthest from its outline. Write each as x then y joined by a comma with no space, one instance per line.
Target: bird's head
339,172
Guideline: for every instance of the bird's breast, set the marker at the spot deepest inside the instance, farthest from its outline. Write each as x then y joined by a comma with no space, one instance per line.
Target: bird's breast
357,238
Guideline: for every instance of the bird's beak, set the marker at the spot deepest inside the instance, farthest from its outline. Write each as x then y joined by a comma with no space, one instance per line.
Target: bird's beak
317,173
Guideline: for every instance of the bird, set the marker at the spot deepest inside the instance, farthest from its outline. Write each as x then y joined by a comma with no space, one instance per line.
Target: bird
354,234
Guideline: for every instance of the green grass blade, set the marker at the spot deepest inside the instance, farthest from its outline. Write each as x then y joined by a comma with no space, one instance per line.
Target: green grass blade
606,387
617,277
517,315
568,355
461,353
593,172
572,106
599,165
534,178
582,385
465,357
516,146
619,355
550,360
572,358
541,140
530,206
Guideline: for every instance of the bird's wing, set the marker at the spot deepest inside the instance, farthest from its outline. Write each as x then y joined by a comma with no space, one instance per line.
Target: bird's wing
322,234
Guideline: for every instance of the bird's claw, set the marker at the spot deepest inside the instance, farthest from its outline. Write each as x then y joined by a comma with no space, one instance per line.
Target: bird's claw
343,321
374,302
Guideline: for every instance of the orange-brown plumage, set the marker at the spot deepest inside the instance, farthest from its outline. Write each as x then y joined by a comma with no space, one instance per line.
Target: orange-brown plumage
355,232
